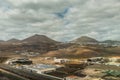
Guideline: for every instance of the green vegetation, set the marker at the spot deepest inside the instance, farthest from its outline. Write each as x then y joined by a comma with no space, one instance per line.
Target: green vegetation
113,73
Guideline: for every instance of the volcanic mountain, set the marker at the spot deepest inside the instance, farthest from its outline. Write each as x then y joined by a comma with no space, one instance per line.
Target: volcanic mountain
84,39
35,43
38,39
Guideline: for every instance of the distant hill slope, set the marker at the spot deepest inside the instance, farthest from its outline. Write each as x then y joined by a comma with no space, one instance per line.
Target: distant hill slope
1,41
110,41
13,40
9,42
84,39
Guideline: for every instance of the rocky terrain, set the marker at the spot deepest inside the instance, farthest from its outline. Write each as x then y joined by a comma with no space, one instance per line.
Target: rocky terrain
80,47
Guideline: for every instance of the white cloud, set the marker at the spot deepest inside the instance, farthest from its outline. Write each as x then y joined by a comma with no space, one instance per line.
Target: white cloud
96,18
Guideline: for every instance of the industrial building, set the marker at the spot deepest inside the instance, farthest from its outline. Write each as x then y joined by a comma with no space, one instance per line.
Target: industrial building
19,61
61,61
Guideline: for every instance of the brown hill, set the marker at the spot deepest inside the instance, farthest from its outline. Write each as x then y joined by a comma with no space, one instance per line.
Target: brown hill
38,39
84,39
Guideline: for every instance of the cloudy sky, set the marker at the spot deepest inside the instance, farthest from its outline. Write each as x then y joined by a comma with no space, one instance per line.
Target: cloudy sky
62,20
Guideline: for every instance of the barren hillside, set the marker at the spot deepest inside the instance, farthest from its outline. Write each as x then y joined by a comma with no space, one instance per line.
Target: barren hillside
84,52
